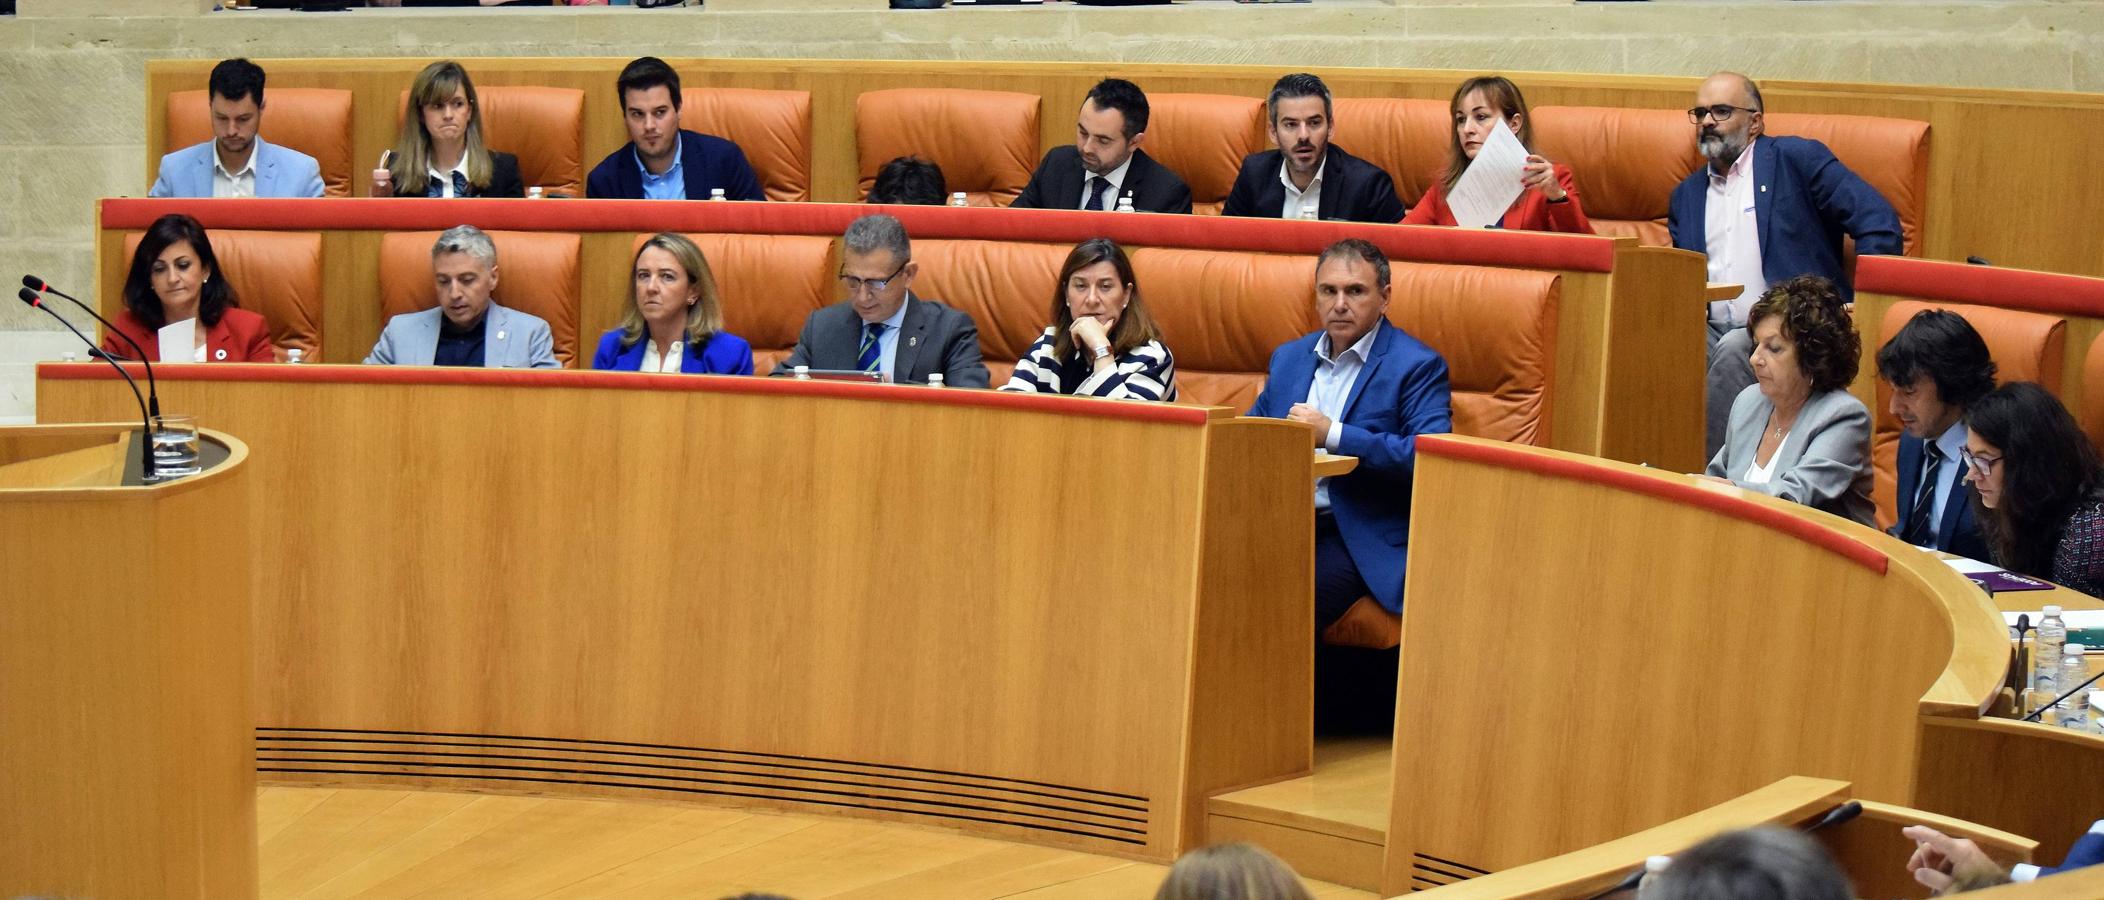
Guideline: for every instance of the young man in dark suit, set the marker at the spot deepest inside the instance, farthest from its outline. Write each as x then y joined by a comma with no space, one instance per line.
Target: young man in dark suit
1308,177
1106,161
1937,366
1764,210
883,327
661,161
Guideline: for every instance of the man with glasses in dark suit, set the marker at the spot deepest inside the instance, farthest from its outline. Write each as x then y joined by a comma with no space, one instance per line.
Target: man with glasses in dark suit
882,328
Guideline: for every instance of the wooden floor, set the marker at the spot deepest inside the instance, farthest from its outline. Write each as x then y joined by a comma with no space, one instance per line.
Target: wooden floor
1331,824
342,842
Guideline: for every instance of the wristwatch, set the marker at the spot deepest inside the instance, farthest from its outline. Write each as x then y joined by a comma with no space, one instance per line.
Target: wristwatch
1102,351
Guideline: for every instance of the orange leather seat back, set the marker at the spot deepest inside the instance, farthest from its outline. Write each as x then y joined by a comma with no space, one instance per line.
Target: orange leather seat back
1408,138
314,121
1222,314
536,273
1627,163
985,141
2093,391
276,274
1203,138
2026,346
769,284
542,126
773,128
1891,154
1005,286
1497,330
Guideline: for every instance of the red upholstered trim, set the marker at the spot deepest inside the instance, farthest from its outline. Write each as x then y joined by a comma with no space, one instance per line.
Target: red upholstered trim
1168,413
1541,250
1677,491
2047,292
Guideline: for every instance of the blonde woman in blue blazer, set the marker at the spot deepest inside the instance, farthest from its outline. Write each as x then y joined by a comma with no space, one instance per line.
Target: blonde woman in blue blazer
675,317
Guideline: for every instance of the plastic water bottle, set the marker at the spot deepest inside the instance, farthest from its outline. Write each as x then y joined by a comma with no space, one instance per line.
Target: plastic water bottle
1652,866
1125,204
935,379
293,354
2073,712
959,199
801,373
718,194
2096,712
2046,652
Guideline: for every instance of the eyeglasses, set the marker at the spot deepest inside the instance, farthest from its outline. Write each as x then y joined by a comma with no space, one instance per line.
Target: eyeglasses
1721,112
1980,464
854,285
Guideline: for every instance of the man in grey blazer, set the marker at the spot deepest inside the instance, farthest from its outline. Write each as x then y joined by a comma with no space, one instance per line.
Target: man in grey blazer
466,328
236,162
882,326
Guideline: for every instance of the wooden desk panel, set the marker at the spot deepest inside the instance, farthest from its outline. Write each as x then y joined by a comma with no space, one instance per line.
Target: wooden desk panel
1053,619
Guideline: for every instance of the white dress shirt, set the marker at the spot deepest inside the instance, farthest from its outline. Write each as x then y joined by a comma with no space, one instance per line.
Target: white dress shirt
1733,235
1950,442
1334,379
670,362
1301,203
1110,194
234,184
445,179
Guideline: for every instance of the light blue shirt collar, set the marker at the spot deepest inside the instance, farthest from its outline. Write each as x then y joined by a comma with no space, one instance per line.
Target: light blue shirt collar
673,184
1950,442
888,342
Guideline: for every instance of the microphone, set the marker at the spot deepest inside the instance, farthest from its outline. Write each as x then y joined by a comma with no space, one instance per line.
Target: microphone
1835,816
146,453
153,388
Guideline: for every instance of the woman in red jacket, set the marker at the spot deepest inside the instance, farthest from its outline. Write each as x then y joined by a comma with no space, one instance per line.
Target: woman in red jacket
174,276
1550,202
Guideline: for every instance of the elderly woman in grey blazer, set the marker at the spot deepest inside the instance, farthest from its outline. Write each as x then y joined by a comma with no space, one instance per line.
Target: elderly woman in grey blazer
1798,433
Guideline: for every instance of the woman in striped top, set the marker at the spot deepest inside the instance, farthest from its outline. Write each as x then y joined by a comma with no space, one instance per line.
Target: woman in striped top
1101,343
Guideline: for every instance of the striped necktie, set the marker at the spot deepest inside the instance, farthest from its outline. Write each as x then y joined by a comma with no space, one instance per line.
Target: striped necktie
1920,531
872,348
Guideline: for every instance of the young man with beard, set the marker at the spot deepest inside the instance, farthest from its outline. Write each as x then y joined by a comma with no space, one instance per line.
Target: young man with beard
1105,161
1308,176
1765,210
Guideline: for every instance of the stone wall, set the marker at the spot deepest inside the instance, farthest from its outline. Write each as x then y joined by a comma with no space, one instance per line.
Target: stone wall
74,86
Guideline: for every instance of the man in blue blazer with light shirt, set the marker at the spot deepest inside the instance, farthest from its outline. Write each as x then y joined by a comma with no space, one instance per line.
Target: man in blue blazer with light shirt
1764,210
237,162
661,161
1366,389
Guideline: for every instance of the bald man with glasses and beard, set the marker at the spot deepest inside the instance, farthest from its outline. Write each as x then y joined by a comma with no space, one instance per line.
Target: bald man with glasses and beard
1764,210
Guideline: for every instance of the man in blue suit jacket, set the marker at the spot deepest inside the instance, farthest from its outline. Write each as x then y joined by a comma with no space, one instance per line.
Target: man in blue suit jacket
1764,210
1937,366
661,161
1367,389
237,162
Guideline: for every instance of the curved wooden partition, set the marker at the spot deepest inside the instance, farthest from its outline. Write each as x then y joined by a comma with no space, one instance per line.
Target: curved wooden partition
1591,649
2033,779
1045,619
1612,366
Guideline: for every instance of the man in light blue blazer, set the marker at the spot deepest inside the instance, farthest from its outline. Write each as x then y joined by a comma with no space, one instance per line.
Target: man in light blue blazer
237,162
466,328
1367,389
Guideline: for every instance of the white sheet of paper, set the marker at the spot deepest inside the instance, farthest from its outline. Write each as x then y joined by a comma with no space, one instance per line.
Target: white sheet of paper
1970,566
179,342
1486,190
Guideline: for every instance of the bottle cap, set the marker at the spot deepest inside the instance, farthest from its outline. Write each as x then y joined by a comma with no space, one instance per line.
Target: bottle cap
2052,609
535,193
2072,650
716,194
1656,864
803,370
2096,701
935,379
68,356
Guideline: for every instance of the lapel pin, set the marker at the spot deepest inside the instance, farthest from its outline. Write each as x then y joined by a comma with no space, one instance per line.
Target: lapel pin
500,335
913,341
220,354
1764,189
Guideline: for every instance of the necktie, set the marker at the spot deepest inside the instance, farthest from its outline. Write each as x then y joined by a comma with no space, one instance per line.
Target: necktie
872,349
1920,531
1097,185
436,189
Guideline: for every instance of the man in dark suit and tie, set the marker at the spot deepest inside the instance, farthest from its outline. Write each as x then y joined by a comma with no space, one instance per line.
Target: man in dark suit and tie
882,327
1106,162
1765,210
1307,177
1937,366
1364,388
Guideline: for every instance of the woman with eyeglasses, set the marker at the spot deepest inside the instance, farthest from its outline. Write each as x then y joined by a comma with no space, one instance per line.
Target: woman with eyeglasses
1550,202
1102,342
675,319
1797,433
2038,493
440,152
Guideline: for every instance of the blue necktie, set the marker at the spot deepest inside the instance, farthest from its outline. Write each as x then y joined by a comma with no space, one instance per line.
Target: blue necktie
460,186
1919,530
872,348
1097,185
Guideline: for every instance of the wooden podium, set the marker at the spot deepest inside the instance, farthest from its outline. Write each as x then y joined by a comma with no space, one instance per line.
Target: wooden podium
126,706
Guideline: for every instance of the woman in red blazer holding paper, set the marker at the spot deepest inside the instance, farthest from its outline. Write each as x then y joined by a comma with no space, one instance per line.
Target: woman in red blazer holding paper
174,276
1550,202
